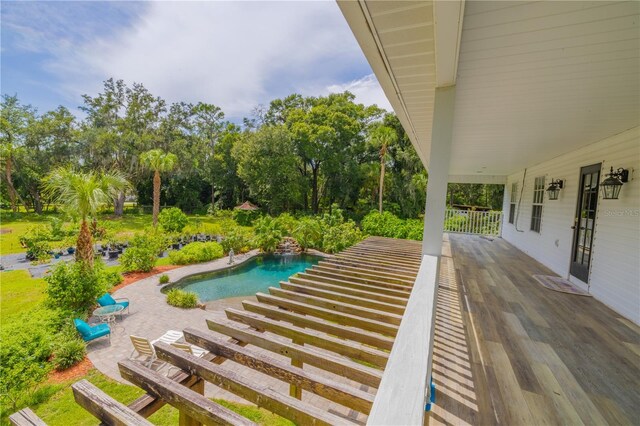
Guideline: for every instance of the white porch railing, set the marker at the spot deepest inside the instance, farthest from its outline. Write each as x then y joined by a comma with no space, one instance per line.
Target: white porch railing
403,391
473,222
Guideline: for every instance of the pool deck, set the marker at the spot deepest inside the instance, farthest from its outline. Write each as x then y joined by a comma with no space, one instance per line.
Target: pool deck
150,317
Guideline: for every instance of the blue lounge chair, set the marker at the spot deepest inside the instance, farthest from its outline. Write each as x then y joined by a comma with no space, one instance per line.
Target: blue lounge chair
91,332
107,300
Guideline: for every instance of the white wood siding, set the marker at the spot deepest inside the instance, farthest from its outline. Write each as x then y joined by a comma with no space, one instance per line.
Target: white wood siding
614,277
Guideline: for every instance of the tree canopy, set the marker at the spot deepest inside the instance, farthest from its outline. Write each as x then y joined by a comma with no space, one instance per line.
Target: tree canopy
298,154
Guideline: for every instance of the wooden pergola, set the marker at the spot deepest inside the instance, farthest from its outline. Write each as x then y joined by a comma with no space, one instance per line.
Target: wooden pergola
340,316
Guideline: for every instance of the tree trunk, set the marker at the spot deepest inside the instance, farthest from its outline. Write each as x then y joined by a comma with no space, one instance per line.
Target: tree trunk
37,202
156,197
12,190
381,189
383,152
118,205
84,249
314,189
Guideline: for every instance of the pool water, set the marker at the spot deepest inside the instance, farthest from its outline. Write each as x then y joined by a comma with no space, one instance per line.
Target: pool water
253,276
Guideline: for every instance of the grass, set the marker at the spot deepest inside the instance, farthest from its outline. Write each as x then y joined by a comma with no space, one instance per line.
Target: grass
19,293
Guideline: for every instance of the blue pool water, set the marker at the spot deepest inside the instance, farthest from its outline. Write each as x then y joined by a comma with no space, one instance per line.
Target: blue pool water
257,274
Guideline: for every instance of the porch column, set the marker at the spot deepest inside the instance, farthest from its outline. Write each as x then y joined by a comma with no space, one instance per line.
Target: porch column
439,157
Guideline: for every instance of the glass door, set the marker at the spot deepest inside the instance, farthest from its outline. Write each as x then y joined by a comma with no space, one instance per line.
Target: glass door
585,220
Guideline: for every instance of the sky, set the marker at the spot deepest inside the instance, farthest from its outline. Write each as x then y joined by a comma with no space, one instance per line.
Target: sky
236,55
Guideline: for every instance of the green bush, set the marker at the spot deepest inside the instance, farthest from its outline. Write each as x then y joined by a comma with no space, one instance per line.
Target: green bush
245,217
173,219
75,286
268,233
163,279
236,239
286,223
182,299
456,223
68,352
112,278
38,251
339,237
142,252
388,225
196,253
308,233
25,349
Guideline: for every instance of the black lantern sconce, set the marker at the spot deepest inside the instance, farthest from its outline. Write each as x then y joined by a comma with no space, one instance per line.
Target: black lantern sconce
554,188
611,185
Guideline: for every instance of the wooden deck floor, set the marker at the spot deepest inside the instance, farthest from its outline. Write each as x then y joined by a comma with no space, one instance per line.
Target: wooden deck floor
508,351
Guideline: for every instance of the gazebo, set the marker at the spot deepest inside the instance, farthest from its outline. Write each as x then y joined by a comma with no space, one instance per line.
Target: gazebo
247,206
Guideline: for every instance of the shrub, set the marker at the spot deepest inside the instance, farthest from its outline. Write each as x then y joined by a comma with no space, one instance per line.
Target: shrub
415,229
75,286
25,349
196,253
245,217
111,278
268,233
38,251
56,228
286,223
236,239
173,219
182,299
384,224
163,279
142,252
339,237
308,233
68,352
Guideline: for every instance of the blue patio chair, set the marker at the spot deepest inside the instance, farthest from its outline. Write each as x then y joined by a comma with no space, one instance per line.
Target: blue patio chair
107,300
92,332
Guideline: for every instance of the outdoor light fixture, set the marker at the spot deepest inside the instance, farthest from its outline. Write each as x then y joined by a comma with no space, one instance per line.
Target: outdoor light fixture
611,185
554,188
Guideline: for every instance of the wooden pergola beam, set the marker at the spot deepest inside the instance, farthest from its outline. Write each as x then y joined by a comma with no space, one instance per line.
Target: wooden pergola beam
320,340
304,280
357,335
341,297
264,396
345,282
337,392
323,360
336,306
332,268
330,314
104,408
184,399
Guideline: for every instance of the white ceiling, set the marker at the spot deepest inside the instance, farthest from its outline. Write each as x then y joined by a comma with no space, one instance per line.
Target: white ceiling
534,80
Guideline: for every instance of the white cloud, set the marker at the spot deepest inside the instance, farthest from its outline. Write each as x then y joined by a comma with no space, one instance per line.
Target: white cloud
366,89
233,54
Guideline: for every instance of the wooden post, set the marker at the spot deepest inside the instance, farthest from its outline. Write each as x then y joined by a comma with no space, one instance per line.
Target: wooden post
296,391
183,418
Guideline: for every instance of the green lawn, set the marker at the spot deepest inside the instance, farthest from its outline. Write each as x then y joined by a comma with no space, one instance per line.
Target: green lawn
19,293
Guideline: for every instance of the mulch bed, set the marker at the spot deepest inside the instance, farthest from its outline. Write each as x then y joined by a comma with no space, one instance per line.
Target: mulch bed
132,277
76,372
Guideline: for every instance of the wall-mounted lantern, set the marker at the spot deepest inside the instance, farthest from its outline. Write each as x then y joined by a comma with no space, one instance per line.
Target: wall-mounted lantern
554,188
611,185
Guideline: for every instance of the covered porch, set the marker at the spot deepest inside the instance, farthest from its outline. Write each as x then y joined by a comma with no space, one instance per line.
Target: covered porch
508,351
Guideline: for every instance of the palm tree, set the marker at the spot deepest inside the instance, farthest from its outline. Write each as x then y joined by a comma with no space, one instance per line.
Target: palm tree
157,161
83,194
382,137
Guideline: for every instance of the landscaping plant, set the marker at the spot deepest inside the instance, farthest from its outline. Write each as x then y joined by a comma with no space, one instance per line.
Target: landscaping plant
142,252
268,233
182,299
157,161
173,219
196,253
163,279
82,193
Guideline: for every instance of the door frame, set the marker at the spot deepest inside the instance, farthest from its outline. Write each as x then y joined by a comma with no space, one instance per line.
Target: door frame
597,167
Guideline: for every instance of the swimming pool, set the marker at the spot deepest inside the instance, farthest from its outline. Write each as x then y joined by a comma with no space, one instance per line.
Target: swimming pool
257,274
